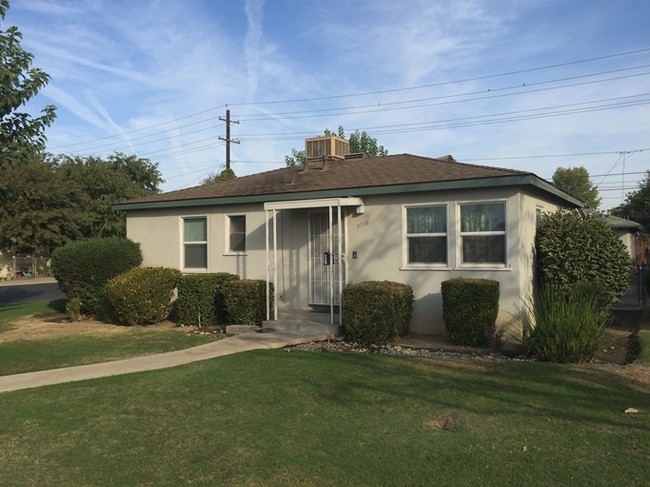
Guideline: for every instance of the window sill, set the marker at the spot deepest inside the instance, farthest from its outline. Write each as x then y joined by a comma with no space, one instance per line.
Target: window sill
236,253
486,267
194,270
426,268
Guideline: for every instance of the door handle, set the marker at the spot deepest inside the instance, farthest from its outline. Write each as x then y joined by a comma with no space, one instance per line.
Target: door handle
327,258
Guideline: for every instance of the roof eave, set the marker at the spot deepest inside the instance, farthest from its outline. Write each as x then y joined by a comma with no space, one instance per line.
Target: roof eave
490,182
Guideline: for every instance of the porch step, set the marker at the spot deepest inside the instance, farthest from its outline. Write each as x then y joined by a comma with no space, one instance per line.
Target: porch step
308,321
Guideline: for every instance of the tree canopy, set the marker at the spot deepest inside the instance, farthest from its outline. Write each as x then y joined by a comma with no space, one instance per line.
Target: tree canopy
575,181
359,141
637,204
67,198
214,177
21,135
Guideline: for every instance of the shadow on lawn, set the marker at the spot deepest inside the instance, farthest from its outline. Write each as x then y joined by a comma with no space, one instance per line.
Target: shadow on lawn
572,393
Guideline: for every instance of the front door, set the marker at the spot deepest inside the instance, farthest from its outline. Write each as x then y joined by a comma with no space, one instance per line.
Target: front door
325,263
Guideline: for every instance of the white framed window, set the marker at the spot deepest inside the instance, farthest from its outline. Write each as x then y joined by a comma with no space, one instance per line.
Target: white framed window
483,233
425,236
235,234
195,242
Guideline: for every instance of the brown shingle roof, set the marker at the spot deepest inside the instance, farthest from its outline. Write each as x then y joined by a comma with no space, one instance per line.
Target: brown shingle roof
400,169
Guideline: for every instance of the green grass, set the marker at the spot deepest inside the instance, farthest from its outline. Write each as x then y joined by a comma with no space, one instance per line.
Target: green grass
12,311
276,418
31,355
17,357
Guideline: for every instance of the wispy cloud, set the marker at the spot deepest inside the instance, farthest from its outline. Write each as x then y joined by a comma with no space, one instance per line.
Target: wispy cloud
252,44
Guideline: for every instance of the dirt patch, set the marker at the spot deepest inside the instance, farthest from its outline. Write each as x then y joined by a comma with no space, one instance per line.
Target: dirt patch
56,325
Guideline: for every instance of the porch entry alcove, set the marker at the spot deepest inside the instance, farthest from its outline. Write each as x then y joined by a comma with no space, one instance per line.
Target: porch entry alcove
327,264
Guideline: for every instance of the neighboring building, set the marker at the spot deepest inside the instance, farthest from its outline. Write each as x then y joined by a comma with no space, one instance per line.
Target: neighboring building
350,218
628,231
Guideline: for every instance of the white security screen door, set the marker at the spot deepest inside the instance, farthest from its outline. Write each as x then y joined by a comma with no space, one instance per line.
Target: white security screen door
325,263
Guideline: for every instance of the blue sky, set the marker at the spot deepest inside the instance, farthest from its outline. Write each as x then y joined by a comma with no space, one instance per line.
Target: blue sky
524,84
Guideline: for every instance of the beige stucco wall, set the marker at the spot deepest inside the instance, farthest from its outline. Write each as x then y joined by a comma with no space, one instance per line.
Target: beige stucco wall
376,237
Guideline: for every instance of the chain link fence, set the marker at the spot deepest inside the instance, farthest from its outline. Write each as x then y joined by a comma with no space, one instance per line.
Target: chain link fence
28,266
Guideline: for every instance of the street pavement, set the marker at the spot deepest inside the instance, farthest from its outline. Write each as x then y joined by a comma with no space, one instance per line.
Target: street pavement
26,290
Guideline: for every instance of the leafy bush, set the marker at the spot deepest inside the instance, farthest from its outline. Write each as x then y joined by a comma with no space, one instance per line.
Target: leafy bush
572,249
376,311
83,268
245,301
142,295
564,326
200,298
469,309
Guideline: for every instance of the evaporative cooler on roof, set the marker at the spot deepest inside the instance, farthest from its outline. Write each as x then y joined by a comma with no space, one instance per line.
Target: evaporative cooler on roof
328,147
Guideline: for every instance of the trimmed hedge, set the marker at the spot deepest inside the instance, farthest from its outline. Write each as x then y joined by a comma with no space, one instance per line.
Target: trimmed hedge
83,268
142,295
572,248
469,309
376,311
200,298
245,301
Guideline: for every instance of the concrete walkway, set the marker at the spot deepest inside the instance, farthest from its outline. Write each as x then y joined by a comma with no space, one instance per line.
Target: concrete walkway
219,348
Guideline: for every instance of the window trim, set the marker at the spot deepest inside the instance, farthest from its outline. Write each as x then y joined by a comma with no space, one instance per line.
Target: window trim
227,249
183,243
459,246
406,265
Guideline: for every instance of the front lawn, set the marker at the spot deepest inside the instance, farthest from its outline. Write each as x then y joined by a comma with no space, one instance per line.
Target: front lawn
306,418
12,311
17,357
49,341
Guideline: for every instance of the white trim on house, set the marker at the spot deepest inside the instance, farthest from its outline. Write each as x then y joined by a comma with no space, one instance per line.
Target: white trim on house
227,250
271,208
460,265
181,224
406,265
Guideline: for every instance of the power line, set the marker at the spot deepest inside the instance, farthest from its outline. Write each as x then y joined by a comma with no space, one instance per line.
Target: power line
444,83
393,90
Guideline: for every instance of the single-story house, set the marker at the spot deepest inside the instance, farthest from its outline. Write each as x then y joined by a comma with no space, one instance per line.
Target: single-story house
345,218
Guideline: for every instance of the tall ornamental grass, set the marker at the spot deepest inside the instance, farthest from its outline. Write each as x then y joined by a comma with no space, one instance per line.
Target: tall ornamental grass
564,326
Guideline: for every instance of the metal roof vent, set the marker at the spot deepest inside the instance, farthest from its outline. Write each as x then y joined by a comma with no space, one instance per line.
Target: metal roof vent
328,147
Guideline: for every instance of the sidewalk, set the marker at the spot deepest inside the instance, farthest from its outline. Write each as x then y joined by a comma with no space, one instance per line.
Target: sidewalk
227,346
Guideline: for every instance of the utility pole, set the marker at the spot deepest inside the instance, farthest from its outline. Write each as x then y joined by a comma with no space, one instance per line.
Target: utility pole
227,138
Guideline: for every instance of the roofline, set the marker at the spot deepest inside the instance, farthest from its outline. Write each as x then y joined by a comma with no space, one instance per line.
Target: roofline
494,181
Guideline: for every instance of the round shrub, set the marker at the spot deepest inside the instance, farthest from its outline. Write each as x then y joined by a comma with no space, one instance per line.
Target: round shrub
376,311
470,308
142,295
572,248
83,268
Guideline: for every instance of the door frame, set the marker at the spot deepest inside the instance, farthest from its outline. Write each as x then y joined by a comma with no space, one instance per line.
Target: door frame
271,209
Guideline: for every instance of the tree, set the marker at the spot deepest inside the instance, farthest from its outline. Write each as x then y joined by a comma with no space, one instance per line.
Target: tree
45,213
105,182
21,135
358,142
637,204
213,177
575,181
61,199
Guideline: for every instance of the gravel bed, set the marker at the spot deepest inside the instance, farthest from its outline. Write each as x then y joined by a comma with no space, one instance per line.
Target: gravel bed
389,349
